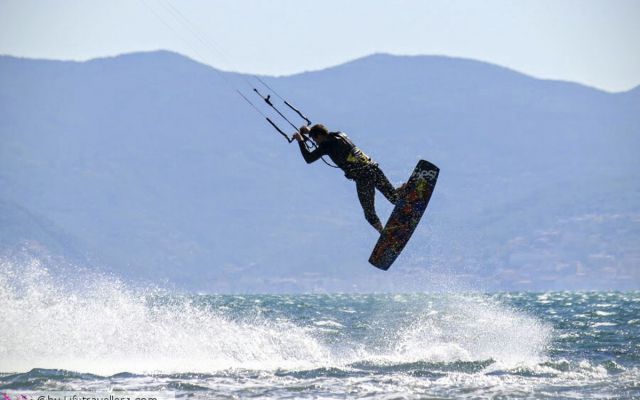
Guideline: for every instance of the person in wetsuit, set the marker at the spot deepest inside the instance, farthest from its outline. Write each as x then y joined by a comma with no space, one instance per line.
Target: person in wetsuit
356,165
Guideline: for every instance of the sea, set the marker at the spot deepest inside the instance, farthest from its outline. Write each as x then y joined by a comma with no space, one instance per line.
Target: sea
87,335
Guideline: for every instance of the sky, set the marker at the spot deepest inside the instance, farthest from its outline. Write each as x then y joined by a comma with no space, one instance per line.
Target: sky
593,42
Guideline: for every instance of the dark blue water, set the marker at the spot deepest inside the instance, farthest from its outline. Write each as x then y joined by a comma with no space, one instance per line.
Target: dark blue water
445,345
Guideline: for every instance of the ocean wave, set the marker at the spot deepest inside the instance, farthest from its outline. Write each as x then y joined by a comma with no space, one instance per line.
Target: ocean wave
99,324
106,327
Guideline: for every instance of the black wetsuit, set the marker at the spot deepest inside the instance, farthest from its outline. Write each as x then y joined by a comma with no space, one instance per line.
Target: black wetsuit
358,167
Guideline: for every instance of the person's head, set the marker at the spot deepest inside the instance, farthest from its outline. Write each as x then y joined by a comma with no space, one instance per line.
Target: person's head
319,133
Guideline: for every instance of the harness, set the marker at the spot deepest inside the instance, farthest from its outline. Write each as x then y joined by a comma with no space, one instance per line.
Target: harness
356,157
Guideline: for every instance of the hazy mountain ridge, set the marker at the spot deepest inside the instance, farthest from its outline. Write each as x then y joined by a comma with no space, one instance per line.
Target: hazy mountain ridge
161,171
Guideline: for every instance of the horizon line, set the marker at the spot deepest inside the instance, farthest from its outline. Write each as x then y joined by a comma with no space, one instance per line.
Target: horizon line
349,61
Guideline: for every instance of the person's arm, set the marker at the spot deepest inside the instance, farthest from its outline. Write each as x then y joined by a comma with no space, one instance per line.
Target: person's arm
309,156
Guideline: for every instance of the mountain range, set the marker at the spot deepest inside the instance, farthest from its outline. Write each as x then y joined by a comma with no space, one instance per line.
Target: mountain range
150,166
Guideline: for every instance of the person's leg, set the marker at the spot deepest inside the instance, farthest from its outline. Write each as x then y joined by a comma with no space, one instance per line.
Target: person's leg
384,186
366,195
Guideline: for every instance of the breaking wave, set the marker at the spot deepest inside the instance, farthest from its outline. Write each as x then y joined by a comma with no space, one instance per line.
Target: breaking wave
95,323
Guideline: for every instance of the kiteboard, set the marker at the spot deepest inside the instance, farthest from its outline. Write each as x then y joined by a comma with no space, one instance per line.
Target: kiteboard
406,215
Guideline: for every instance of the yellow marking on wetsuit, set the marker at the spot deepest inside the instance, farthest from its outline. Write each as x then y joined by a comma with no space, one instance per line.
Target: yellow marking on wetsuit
357,156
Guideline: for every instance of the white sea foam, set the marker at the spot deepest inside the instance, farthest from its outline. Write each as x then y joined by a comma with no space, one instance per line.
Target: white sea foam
93,323
328,323
473,328
599,324
105,327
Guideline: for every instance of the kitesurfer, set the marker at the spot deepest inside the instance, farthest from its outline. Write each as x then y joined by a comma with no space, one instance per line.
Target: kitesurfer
356,165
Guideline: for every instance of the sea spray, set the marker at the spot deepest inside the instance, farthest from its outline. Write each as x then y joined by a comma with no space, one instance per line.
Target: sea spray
444,345
472,327
95,323
101,325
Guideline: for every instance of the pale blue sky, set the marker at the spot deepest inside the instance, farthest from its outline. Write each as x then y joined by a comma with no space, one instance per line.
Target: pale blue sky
593,42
